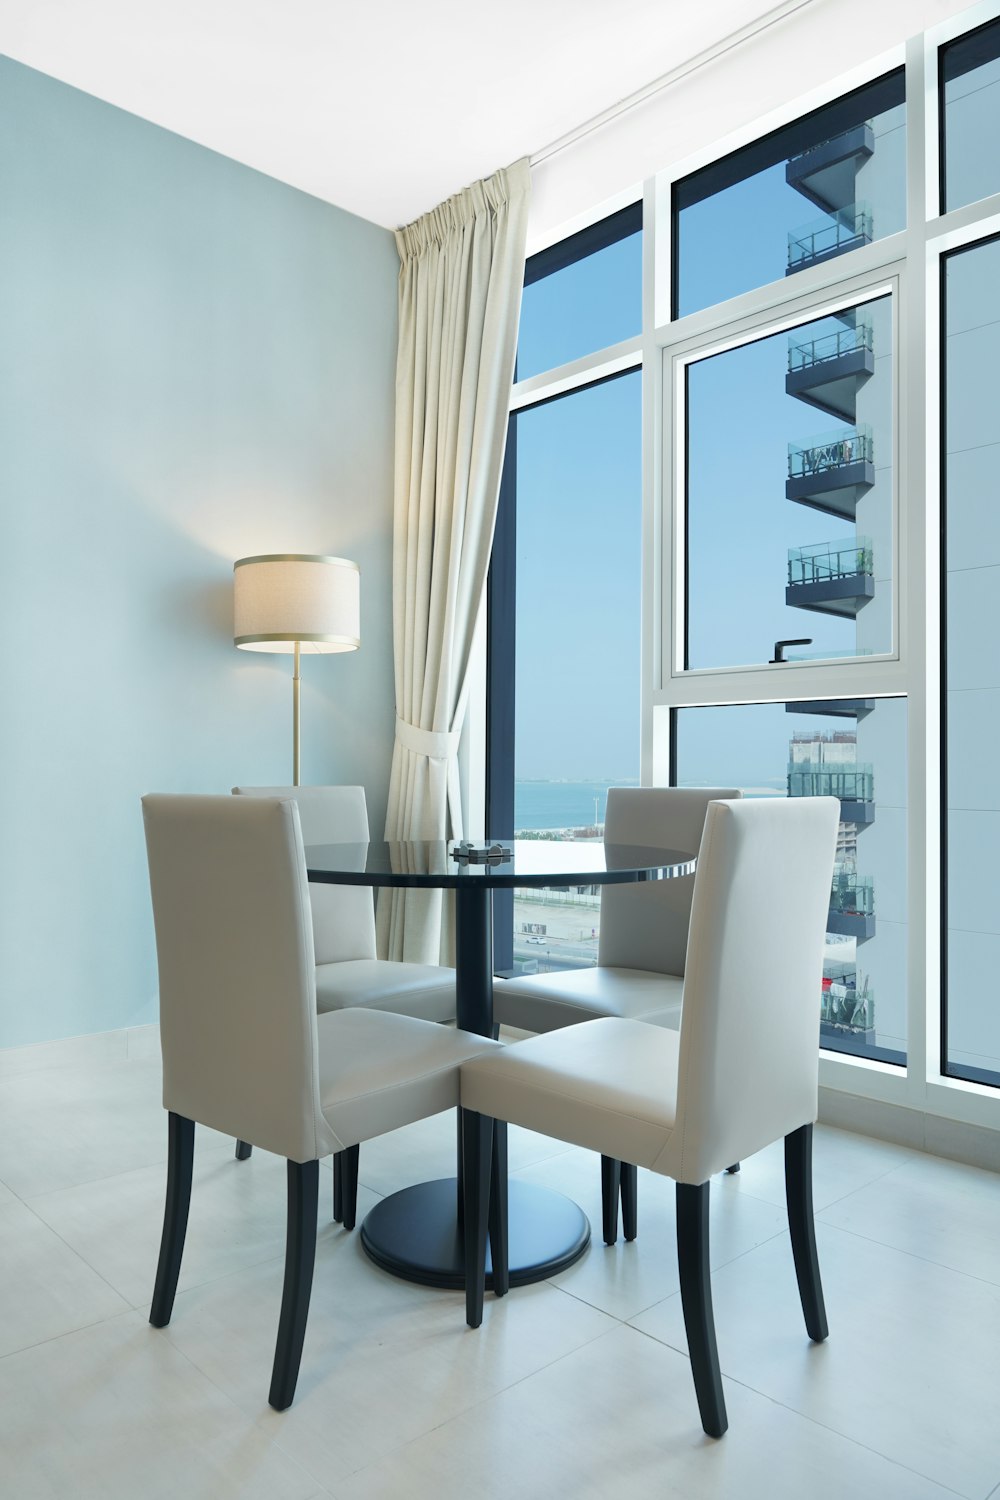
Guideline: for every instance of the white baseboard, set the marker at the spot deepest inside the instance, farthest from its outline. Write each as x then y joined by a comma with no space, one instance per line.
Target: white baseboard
976,1145
129,1043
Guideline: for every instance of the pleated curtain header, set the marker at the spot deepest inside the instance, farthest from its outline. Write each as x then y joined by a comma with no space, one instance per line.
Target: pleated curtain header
464,208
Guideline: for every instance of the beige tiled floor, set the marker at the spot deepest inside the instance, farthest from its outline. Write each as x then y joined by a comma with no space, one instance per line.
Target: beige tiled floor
576,1387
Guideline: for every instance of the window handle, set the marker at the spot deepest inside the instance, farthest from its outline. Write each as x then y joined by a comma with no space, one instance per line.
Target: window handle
779,649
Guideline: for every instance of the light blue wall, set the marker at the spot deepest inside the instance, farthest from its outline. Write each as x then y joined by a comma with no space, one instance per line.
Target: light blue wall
196,364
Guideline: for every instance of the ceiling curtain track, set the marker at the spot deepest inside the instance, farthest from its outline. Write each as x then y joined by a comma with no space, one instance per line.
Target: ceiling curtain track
460,279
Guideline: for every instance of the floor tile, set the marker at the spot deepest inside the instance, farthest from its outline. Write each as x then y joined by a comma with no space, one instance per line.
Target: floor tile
619,1418
911,1368
842,1163
552,1397
940,1210
142,1044
384,1360
237,1220
46,1289
622,1279
115,1412
63,1126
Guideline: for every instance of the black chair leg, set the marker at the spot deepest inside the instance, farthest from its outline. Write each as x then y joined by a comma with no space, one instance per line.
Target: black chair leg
300,1257
802,1228
338,1188
630,1200
611,1171
696,1301
348,1161
498,1211
477,1149
180,1165
243,1149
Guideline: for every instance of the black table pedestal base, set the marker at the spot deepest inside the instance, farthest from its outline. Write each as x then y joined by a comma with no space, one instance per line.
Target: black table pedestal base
415,1234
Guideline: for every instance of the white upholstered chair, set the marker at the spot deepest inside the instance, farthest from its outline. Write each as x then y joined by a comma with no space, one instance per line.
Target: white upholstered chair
740,1073
348,972
640,955
244,1050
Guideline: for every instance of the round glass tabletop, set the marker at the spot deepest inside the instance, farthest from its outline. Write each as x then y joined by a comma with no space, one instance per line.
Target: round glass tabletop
529,862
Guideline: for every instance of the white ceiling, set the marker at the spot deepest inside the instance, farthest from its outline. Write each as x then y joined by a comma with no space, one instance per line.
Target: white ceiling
384,107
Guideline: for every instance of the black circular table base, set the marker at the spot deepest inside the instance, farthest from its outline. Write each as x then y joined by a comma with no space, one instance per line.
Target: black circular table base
415,1234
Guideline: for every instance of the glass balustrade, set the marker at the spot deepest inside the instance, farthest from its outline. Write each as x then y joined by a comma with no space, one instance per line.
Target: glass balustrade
832,234
828,561
830,451
843,341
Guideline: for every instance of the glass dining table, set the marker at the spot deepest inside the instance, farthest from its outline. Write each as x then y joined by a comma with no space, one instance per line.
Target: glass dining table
416,1233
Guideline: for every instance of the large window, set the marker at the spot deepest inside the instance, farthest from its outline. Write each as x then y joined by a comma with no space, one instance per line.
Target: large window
724,556
576,661
971,306
565,590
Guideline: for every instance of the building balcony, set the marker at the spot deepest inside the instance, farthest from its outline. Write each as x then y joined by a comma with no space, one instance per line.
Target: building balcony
823,239
831,473
851,783
846,1013
827,372
827,174
835,708
852,906
831,578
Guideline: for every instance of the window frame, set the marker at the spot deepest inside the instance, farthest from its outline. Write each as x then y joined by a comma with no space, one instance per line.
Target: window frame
779,318
910,261
959,248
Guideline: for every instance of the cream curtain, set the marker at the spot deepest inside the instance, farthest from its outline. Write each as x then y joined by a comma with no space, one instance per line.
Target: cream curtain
461,272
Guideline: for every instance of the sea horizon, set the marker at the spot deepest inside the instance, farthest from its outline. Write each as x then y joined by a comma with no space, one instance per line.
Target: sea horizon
542,802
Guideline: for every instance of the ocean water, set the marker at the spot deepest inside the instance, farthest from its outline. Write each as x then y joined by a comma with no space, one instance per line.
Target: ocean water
560,804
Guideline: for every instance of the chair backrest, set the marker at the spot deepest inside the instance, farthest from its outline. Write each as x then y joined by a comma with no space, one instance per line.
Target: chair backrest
343,915
749,1038
645,926
237,978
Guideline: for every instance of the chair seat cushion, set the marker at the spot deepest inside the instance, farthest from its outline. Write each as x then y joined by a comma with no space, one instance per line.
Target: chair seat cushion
610,1085
544,1002
421,990
378,1071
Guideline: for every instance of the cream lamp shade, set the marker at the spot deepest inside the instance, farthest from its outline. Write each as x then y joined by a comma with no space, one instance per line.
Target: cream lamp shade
288,599
295,602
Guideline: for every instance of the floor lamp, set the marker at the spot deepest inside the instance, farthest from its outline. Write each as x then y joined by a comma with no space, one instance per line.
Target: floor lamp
293,602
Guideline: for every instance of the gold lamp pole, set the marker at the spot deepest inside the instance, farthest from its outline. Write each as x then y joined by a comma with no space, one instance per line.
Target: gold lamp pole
284,601
296,712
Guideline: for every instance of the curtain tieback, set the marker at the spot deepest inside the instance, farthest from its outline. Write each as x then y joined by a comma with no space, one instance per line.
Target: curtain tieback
435,746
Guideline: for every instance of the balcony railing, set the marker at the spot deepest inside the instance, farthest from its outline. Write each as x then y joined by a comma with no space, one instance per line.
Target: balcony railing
852,895
846,1007
850,782
831,346
827,561
831,451
833,234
